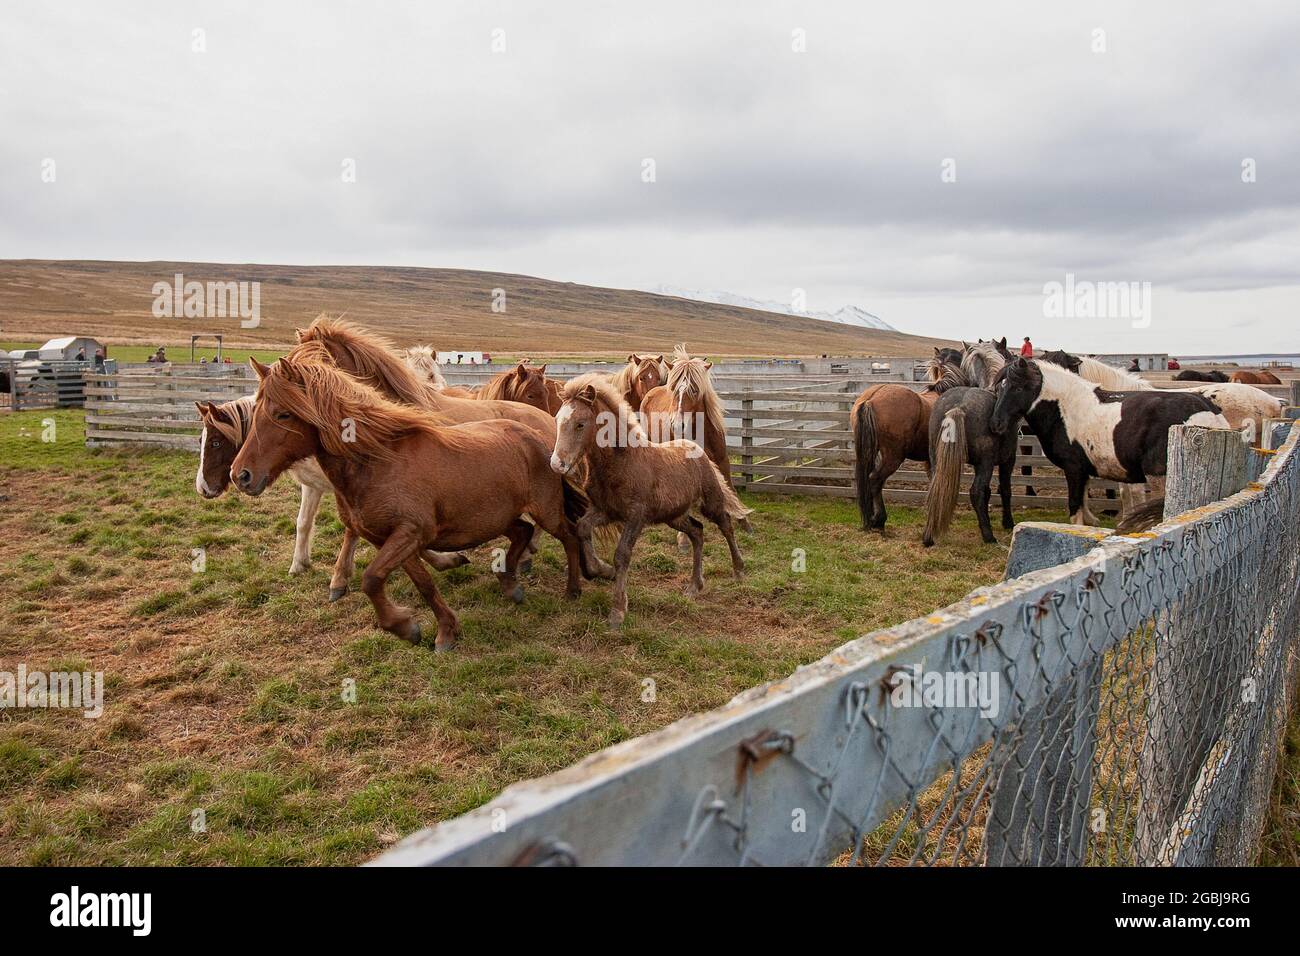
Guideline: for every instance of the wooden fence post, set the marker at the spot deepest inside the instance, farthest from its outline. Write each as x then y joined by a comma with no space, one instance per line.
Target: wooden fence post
1295,392
746,439
1194,676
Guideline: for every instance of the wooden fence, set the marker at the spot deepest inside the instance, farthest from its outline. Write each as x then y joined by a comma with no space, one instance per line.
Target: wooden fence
787,434
154,406
50,383
797,441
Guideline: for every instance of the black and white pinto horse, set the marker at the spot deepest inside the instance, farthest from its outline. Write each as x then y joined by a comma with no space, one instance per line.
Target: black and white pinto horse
1088,431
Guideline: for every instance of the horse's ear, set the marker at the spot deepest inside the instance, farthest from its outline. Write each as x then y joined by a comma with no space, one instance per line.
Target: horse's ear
634,359
541,370
262,370
298,334
205,409
936,351
707,365
588,395
659,357
1003,343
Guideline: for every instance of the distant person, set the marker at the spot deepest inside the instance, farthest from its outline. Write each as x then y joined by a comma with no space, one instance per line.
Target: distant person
203,360
226,360
81,354
1027,348
99,358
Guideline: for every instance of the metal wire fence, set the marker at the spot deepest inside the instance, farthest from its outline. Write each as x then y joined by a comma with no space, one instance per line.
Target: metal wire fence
1125,707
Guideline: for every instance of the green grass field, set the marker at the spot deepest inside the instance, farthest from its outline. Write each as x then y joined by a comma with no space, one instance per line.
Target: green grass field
226,687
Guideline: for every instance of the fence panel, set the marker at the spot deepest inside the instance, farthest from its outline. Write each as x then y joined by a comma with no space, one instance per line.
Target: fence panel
154,405
1045,739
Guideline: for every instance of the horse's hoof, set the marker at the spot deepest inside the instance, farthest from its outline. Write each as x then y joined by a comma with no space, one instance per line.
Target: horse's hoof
444,644
336,593
927,542
299,568
615,621
413,635
572,594
693,590
525,566
517,595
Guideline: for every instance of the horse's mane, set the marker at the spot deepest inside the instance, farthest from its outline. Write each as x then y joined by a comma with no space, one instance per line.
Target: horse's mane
422,360
943,375
608,399
1062,380
981,363
1110,377
326,396
690,374
504,386
376,361
233,418
622,379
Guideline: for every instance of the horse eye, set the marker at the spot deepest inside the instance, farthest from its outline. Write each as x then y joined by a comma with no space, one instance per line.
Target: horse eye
282,416
215,443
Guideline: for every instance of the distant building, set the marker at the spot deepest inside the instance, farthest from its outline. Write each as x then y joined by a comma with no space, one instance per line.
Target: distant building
68,347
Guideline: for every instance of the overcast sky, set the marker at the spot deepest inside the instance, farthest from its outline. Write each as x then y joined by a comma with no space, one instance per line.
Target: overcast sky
775,168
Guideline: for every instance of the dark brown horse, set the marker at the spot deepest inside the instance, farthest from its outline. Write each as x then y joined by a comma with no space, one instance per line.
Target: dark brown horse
891,424
1257,377
411,481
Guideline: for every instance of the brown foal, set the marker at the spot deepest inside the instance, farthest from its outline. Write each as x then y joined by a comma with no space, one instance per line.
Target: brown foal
409,480
636,482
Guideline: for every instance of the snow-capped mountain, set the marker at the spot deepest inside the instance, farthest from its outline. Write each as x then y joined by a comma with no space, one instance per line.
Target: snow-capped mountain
847,315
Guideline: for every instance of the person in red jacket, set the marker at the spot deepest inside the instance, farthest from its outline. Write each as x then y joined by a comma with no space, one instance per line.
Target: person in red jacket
1027,350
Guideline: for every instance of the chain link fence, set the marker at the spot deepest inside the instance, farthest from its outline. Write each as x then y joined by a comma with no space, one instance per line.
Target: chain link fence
1124,708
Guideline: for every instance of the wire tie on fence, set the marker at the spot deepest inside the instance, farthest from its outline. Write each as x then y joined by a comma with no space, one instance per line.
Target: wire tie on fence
754,753
1094,579
854,702
548,852
988,631
887,683
704,814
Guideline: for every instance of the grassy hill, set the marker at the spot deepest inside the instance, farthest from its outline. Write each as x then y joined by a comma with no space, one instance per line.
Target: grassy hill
448,308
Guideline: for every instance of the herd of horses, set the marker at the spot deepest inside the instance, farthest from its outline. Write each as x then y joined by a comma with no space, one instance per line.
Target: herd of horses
1092,421
425,471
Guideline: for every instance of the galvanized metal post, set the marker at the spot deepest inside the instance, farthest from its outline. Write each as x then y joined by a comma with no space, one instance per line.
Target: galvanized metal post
746,439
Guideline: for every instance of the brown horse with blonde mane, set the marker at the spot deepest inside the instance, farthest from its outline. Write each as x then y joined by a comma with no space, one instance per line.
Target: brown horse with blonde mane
639,376
411,480
374,361
634,482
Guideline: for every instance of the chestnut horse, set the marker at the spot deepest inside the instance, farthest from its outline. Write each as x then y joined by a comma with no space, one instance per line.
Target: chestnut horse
641,374
372,359
523,383
891,424
687,406
224,428
635,482
411,481
1259,377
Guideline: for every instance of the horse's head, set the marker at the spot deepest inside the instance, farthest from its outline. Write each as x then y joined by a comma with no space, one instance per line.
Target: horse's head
1017,388
218,446
648,375
277,434
1064,359
528,385
575,429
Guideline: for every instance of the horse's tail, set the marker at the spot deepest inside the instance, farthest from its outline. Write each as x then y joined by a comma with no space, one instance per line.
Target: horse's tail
941,501
866,452
1140,519
731,502
576,501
